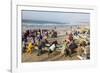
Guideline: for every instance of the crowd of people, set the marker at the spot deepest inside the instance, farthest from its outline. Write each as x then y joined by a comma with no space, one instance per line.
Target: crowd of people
38,40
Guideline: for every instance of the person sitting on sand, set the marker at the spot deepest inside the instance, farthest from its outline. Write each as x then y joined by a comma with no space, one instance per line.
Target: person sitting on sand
72,46
24,46
39,48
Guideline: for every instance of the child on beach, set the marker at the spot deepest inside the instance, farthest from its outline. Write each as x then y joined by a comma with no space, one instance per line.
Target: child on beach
30,47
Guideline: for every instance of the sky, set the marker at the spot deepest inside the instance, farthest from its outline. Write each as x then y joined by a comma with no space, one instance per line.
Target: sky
55,17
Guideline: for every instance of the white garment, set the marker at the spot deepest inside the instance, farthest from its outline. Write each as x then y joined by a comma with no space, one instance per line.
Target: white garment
52,47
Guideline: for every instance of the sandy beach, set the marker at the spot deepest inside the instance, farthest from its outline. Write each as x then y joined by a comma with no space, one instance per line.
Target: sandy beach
55,56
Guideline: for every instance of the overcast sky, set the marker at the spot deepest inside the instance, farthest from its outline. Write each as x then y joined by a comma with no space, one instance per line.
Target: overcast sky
56,17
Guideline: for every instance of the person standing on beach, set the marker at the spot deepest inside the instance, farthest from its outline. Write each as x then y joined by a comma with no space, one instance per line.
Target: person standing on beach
70,37
64,47
30,47
41,45
39,48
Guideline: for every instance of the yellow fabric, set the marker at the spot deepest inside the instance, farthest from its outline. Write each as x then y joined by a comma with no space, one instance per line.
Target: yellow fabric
30,48
30,45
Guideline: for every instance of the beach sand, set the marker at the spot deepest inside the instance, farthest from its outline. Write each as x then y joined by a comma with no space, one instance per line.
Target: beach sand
55,56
